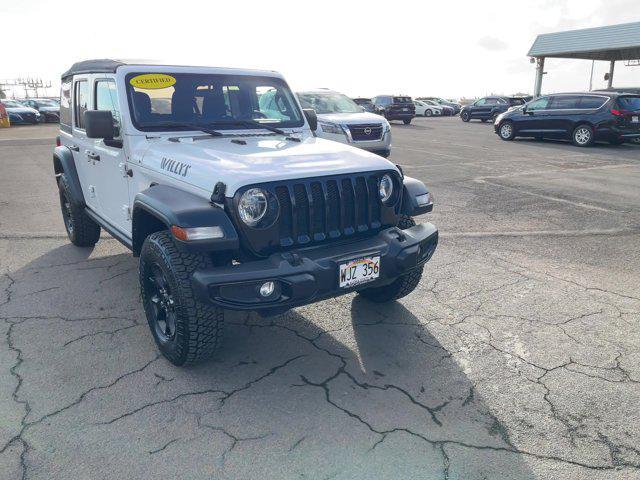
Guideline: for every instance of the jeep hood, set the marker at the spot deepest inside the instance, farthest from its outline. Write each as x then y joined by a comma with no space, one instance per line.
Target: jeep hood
204,161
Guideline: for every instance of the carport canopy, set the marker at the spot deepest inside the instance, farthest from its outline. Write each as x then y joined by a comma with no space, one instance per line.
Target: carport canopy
611,43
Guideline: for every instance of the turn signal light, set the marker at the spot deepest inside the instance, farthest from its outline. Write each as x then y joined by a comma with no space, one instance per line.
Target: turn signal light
197,233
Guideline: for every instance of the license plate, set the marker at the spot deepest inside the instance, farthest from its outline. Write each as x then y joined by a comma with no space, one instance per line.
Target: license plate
635,119
359,271
405,109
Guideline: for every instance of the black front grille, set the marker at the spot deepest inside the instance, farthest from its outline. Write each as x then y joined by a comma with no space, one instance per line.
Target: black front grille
321,209
361,133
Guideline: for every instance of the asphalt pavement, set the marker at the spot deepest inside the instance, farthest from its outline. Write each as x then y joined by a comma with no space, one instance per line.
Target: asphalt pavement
517,357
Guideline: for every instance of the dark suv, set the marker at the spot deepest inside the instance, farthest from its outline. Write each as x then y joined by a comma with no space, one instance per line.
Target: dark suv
582,118
395,107
488,108
365,103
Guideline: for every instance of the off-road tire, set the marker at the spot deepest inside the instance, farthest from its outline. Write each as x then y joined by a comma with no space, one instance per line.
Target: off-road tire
401,286
81,230
406,121
199,326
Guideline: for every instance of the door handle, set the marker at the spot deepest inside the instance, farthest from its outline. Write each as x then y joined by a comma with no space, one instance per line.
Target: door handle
75,148
93,156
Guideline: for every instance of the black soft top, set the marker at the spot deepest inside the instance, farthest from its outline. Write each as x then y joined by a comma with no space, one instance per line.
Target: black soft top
94,66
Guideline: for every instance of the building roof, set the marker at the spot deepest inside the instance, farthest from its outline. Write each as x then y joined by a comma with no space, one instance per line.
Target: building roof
613,42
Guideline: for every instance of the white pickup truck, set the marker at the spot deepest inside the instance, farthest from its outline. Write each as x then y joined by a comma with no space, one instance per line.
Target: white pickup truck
229,204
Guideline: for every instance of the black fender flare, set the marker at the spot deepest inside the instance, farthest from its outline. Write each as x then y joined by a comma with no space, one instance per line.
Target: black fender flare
63,162
411,189
172,206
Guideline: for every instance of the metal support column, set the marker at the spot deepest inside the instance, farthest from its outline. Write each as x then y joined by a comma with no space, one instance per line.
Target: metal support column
611,67
539,73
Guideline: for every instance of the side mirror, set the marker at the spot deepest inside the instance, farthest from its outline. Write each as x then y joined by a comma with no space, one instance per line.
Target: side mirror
311,116
99,124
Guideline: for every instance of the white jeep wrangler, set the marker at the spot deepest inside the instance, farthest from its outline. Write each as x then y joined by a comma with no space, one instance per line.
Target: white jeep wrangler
228,205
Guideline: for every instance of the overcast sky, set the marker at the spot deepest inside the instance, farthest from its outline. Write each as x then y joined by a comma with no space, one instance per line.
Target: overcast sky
446,48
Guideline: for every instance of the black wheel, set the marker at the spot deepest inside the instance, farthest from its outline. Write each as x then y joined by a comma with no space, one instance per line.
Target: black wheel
406,121
635,141
185,330
506,131
81,230
484,120
465,116
428,113
582,136
401,286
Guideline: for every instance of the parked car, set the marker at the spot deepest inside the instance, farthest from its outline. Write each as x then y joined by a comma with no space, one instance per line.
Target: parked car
582,118
447,111
395,107
488,108
20,114
49,109
456,107
365,103
229,201
635,90
342,120
427,109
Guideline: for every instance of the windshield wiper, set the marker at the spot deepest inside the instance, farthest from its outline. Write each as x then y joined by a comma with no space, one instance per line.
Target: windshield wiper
249,123
191,126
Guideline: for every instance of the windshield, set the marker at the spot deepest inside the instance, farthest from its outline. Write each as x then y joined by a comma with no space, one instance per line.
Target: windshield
11,103
631,104
165,101
516,101
402,100
329,102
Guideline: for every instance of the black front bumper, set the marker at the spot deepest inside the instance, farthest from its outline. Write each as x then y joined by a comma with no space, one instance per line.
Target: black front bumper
307,275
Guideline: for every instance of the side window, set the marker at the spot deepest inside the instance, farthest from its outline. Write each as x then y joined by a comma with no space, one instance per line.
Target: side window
540,104
591,102
482,101
65,103
80,103
491,101
106,98
564,102
500,101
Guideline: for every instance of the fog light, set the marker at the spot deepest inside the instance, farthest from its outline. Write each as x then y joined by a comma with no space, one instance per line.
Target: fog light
267,289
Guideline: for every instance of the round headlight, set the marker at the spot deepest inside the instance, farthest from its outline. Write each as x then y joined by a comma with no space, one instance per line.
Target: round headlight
385,188
252,206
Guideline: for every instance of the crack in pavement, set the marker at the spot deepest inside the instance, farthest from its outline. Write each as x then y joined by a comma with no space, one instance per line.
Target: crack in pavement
225,394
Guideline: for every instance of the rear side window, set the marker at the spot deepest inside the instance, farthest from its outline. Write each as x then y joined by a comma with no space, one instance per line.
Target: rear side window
80,102
631,104
591,102
65,103
564,102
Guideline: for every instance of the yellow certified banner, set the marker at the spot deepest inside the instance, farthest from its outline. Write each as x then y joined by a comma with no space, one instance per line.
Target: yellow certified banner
152,81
